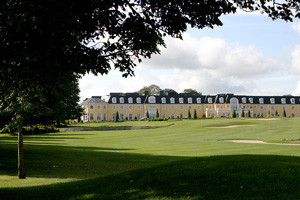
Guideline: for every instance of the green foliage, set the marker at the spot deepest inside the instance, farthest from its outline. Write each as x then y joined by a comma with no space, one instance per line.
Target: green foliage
284,113
117,117
249,114
233,114
157,113
189,114
276,113
147,114
243,113
151,89
192,91
195,114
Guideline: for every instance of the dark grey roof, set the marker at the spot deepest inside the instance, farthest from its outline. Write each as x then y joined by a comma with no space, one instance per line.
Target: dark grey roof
93,100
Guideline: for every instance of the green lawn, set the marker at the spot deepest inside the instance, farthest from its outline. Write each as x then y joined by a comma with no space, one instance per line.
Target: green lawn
187,160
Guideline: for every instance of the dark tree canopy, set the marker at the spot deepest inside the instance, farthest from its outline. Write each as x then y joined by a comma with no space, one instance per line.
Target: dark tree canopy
151,89
192,91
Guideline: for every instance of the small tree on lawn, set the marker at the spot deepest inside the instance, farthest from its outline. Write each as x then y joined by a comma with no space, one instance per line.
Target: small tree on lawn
189,114
276,113
117,117
284,113
243,113
195,114
157,113
234,114
147,114
249,113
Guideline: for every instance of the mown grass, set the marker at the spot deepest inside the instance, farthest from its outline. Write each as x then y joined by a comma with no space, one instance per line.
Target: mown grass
185,160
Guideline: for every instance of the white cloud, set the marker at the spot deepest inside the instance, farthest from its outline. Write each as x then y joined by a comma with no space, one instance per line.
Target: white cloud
295,66
214,55
296,27
297,90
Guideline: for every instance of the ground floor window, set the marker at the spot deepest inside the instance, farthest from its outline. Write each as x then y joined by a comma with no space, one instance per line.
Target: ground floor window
130,116
172,115
98,116
293,115
91,116
163,115
104,116
181,115
121,116
139,116
254,114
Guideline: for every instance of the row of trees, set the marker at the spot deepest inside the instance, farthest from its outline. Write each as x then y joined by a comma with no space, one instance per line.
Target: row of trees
156,90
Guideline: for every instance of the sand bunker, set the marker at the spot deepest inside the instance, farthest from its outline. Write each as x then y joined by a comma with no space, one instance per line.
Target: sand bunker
258,142
231,126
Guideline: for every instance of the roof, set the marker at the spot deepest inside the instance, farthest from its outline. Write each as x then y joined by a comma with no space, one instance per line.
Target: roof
93,100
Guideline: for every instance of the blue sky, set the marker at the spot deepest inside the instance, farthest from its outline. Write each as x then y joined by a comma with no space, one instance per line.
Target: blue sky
250,54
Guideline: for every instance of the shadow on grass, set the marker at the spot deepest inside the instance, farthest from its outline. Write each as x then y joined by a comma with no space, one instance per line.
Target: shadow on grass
217,177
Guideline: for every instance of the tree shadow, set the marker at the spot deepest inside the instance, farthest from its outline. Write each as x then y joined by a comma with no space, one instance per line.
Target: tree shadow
217,177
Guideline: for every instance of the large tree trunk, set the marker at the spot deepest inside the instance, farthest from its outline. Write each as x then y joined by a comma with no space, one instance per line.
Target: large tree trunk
21,165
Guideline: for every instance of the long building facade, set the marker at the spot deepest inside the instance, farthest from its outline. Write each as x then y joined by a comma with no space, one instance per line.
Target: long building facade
132,106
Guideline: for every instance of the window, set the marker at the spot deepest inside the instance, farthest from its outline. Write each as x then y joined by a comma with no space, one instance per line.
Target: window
99,107
98,116
190,100
273,115
181,107
151,107
261,100
283,107
91,107
138,100
293,115
272,108
199,107
91,116
139,107
261,107
244,100
114,100
209,100
292,100
163,115
221,107
172,100
180,100
104,107
221,100
139,116
121,115
163,107
283,101
250,107
272,100
251,100
121,99
104,116
190,107
293,107
172,107
181,115
209,107
163,100
122,107
114,108
151,99
172,115
130,116
198,100
114,116
130,100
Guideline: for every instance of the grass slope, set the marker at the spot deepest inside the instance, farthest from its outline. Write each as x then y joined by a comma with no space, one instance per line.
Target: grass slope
157,163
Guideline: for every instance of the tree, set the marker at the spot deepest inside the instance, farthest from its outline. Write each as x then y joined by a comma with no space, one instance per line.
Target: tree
147,114
157,113
233,114
276,113
243,113
195,114
191,91
284,113
189,114
151,89
249,113
168,91
41,38
117,117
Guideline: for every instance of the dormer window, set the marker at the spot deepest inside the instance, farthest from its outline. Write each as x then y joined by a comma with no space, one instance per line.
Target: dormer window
172,100
151,99
244,100
272,100
121,99
163,100
190,100
209,100
198,100
221,99
180,100
138,100
261,100
130,100
283,101
114,100
251,100
292,100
